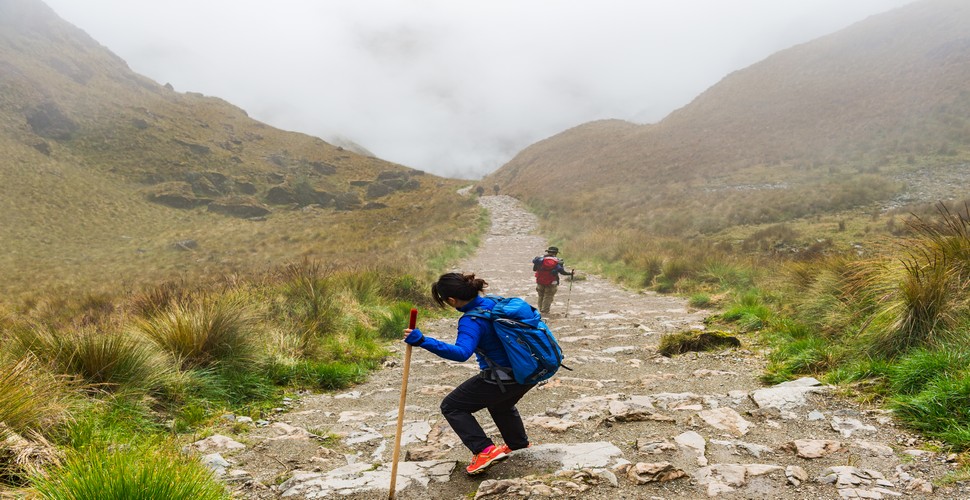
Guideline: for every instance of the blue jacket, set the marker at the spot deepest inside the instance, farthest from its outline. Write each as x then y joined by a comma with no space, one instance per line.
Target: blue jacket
473,333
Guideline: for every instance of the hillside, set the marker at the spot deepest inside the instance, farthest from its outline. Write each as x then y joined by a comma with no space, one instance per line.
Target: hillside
109,178
835,124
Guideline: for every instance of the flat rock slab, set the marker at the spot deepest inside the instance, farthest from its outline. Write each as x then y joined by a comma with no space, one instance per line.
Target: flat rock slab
363,477
726,419
787,395
596,455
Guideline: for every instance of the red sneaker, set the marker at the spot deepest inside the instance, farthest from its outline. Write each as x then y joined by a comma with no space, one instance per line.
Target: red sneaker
484,459
508,450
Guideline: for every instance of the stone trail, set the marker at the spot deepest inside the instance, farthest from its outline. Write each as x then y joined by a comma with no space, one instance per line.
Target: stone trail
625,423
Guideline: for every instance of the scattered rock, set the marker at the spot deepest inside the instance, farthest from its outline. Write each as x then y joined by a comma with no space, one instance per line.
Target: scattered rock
703,372
594,455
643,473
849,426
216,442
693,445
727,478
215,463
627,411
787,395
873,449
654,445
363,478
813,448
726,419
355,416
796,475
552,423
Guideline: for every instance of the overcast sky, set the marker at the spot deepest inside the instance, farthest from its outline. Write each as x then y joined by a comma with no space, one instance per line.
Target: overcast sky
453,87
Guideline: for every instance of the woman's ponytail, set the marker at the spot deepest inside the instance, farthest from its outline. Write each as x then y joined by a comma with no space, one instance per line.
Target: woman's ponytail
456,285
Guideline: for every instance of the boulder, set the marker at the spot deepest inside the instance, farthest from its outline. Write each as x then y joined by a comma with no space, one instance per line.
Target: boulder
176,194
49,121
240,209
281,195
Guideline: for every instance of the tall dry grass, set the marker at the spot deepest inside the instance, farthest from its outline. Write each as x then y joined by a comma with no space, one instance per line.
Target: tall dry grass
32,399
211,330
98,359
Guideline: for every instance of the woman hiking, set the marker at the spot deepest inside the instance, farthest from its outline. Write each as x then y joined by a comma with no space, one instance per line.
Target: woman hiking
492,389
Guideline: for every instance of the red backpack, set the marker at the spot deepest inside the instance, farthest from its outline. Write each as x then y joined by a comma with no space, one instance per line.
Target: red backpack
546,274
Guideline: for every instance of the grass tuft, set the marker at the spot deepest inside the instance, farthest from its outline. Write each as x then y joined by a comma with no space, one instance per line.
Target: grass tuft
131,472
696,341
210,331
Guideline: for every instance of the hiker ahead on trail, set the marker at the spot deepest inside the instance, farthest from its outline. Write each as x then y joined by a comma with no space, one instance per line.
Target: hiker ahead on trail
493,389
548,267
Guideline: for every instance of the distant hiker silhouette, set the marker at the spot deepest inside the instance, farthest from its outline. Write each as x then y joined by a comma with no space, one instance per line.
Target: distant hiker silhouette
547,269
492,389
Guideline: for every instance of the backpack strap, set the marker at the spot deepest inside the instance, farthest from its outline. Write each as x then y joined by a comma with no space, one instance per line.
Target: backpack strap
493,368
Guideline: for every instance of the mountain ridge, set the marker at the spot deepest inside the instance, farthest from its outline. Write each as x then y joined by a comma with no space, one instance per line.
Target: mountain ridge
104,170
876,98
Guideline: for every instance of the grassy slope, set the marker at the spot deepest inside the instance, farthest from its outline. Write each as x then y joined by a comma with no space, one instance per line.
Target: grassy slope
817,129
74,209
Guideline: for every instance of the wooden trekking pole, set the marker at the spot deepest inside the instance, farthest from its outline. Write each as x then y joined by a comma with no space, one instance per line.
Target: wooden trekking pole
400,407
570,292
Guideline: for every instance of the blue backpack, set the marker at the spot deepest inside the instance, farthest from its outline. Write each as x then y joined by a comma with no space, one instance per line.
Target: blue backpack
531,347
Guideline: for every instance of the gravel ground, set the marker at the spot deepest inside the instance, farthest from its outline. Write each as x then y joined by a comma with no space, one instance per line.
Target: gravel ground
609,336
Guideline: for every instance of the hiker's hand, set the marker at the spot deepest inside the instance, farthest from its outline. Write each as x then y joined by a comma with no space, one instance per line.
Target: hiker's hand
413,337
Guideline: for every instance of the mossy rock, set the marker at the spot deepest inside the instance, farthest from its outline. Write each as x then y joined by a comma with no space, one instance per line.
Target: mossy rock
242,207
49,121
696,341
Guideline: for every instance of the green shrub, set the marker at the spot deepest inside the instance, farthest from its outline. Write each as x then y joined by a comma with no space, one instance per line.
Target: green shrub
876,370
728,275
671,272
941,409
307,308
748,311
797,350
130,472
318,375
364,286
100,422
216,388
911,373
699,300
394,321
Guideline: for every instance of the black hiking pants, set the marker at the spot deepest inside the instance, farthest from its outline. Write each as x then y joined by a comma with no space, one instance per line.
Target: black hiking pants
475,394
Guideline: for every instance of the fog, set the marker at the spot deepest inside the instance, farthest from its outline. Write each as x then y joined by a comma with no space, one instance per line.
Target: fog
452,87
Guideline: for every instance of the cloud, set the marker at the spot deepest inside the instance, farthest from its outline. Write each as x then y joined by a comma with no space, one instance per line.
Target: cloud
452,87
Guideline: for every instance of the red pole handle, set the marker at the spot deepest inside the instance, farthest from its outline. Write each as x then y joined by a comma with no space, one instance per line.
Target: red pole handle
414,319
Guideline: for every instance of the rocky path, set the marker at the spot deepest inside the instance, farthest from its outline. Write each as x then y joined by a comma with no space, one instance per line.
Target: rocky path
625,423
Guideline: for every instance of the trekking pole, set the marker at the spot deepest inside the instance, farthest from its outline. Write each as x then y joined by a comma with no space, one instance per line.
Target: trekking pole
400,407
570,292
